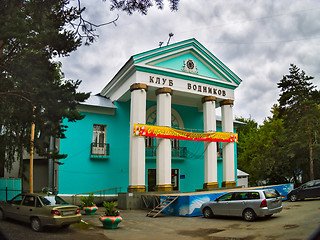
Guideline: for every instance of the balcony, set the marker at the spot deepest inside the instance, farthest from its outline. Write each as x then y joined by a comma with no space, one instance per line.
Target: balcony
99,150
176,153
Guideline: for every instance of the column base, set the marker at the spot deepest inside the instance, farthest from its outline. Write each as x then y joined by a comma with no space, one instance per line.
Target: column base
136,188
210,185
229,184
164,188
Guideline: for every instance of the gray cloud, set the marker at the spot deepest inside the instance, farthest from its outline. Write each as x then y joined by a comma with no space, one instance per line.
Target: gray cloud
256,39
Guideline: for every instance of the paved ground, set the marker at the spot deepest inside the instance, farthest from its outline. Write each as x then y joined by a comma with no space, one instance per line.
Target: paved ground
14,230
298,220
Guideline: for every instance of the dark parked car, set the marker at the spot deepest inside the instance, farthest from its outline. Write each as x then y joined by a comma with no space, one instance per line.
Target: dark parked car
308,190
248,204
40,210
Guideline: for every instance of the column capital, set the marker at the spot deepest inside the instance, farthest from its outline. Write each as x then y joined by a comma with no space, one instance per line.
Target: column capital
208,99
226,102
137,86
164,90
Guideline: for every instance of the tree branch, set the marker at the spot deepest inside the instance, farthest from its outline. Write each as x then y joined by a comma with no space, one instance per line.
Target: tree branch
87,27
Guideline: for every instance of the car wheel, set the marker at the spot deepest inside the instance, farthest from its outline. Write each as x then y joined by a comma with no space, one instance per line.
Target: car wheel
36,224
249,215
293,198
2,216
207,212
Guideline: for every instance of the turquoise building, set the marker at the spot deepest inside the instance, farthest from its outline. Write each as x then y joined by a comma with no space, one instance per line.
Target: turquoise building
174,91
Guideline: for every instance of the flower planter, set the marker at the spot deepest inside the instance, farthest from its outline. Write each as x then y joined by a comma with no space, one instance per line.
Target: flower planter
110,222
90,210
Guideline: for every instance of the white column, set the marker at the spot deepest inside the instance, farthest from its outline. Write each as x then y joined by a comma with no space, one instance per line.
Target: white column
210,148
137,143
228,148
164,144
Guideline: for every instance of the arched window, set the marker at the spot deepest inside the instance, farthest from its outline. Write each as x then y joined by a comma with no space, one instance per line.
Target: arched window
151,119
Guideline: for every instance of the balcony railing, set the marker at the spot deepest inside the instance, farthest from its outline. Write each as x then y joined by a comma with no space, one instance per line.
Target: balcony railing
100,149
180,152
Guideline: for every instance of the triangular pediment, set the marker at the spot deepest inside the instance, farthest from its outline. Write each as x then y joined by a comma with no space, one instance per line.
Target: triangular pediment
187,67
179,62
187,60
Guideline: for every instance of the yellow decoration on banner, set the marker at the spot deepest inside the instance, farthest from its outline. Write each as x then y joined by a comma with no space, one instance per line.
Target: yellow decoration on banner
167,132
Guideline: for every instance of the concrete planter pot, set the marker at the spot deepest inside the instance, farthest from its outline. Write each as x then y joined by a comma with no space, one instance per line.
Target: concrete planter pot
110,222
90,210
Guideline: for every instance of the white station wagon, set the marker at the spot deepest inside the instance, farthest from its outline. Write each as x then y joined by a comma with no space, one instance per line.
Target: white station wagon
248,204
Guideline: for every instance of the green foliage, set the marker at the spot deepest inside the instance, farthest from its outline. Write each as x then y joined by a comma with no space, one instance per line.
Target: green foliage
87,201
110,209
32,86
246,147
299,107
287,142
142,6
32,33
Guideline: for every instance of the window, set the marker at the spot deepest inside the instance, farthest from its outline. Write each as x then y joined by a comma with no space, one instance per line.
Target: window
219,150
317,183
226,197
16,200
175,144
271,193
99,145
99,134
149,142
29,201
52,200
253,195
38,203
239,196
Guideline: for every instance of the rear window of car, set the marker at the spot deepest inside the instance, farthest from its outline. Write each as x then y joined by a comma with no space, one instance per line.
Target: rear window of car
52,200
317,183
271,193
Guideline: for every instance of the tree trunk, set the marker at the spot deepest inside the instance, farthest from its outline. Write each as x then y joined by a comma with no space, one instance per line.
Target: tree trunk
311,158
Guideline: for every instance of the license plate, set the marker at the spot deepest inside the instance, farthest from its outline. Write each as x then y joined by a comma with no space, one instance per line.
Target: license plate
67,213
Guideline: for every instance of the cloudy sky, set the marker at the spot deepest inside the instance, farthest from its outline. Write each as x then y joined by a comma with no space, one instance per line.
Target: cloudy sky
256,39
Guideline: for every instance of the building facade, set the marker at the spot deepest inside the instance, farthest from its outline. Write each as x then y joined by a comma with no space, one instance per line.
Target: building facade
174,91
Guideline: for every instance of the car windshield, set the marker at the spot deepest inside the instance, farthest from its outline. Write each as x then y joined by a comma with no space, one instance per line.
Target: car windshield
271,193
52,200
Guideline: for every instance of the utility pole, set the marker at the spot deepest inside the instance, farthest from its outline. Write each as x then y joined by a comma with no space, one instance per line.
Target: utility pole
51,165
31,152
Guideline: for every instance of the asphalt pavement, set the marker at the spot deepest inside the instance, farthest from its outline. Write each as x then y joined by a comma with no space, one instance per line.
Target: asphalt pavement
298,221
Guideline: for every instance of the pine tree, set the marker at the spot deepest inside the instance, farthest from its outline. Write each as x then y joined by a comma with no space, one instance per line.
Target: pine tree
299,107
32,86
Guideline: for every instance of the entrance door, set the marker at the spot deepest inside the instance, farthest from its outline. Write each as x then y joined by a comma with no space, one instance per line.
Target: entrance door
152,180
175,179
152,176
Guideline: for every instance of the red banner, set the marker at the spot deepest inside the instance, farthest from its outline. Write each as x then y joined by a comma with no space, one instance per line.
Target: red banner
167,132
